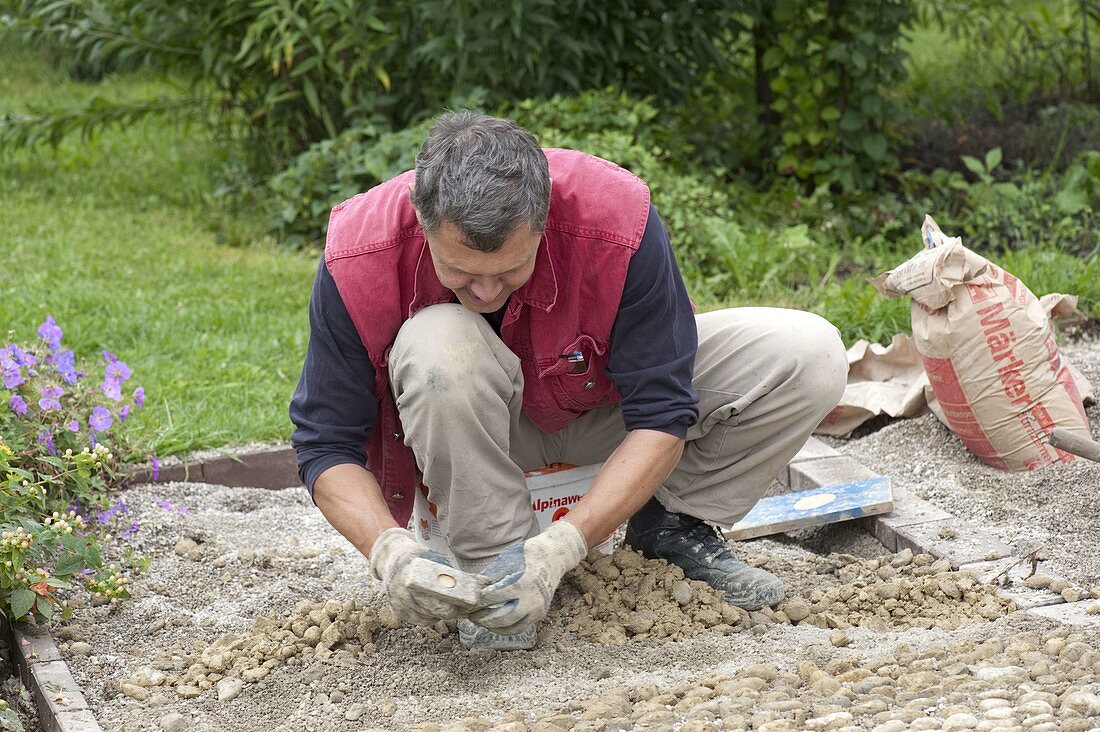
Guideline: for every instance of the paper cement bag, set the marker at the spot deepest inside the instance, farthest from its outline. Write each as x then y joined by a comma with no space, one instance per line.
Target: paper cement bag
881,380
989,352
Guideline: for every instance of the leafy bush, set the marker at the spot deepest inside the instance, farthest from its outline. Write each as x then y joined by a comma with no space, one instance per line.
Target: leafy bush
797,88
62,449
830,74
294,72
289,72
607,124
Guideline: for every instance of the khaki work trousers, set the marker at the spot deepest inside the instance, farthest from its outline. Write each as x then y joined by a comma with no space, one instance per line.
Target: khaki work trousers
765,376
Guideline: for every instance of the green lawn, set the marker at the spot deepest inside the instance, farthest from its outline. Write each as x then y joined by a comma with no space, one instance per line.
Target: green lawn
115,240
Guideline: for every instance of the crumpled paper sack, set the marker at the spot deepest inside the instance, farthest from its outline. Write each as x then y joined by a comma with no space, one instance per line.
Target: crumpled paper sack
891,379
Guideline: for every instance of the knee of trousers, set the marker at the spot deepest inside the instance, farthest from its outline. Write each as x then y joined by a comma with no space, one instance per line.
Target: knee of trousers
815,353
443,346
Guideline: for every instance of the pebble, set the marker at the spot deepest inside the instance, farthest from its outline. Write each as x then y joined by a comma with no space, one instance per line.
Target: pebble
960,721
681,592
355,712
80,648
185,546
175,722
839,638
797,610
140,693
229,688
1083,703
895,725
387,707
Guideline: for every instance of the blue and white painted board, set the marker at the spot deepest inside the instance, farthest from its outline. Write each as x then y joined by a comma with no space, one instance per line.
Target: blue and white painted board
826,504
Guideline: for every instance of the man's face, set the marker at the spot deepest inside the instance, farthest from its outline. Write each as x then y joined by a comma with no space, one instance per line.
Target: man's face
483,280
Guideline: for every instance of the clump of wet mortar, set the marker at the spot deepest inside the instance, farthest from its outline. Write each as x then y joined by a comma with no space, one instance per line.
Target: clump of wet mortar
627,597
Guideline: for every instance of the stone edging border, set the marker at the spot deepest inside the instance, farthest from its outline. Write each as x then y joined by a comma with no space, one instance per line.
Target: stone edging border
914,524
923,527
61,705
272,467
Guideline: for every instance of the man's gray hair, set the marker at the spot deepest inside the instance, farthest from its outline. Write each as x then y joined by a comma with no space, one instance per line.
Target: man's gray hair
487,176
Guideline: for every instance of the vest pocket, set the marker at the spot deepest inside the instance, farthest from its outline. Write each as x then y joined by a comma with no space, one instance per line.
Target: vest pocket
578,380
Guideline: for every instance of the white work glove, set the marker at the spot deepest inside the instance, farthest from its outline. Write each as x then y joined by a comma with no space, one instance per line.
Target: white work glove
519,584
390,556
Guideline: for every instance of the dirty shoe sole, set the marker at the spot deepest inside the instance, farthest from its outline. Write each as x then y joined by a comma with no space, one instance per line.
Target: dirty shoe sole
475,637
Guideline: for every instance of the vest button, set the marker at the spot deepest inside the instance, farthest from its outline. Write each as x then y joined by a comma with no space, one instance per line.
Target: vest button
398,495
589,384
396,436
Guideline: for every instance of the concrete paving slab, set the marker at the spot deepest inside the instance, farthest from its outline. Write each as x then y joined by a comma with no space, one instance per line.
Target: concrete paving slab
970,544
35,644
814,449
827,471
1071,613
79,721
908,511
1015,590
56,688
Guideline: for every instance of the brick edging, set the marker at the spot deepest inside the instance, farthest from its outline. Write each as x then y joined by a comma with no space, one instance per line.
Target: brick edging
61,705
925,528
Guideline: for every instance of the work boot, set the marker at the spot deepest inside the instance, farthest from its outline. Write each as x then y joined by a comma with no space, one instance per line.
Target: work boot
475,637
701,551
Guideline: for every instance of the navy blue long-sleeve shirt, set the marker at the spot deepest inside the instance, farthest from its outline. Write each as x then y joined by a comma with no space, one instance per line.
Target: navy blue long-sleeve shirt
651,357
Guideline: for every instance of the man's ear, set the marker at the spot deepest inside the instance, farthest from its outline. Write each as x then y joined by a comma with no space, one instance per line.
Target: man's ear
411,186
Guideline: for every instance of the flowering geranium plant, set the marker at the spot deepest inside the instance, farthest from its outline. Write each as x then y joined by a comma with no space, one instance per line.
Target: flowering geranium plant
63,449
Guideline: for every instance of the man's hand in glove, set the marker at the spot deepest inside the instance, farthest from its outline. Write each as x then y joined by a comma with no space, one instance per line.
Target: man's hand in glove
390,557
521,581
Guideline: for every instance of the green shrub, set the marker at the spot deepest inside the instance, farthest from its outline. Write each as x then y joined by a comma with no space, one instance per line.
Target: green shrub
607,124
62,449
795,88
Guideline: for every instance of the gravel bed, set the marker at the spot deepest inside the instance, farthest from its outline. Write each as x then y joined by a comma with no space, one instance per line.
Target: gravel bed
255,615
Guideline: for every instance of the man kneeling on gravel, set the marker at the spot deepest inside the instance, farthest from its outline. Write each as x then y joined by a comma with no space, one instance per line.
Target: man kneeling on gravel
503,307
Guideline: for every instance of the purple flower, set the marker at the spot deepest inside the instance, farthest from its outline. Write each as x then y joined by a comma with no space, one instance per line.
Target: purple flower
183,509
91,438
12,377
45,437
50,333
124,412
50,398
133,529
100,419
87,572
72,426
119,507
19,356
17,405
139,397
165,504
111,388
65,362
156,467
109,357
118,371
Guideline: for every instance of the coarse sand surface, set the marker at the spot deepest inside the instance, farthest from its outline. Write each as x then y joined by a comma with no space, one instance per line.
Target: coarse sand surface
256,615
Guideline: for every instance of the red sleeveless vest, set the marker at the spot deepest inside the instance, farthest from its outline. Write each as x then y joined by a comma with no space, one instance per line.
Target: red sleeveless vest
382,267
